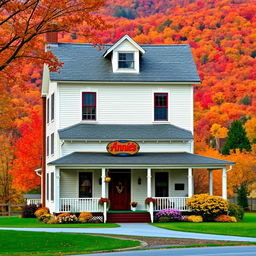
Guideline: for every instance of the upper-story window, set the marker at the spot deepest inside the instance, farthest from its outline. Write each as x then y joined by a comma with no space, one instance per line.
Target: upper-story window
89,106
161,106
126,60
52,106
48,110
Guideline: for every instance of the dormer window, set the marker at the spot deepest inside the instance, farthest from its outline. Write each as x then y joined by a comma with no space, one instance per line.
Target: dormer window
126,60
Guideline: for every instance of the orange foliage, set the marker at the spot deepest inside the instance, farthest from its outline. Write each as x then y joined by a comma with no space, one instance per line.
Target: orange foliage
28,155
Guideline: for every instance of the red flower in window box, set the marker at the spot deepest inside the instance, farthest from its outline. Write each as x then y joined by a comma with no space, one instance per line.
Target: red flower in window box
150,199
104,200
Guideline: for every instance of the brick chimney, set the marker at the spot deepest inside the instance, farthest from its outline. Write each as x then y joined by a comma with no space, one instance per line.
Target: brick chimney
52,37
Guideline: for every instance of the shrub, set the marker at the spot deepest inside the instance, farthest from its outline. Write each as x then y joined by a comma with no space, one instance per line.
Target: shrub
225,218
172,214
41,211
65,218
208,206
236,211
242,196
45,218
194,218
164,219
29,211
85,217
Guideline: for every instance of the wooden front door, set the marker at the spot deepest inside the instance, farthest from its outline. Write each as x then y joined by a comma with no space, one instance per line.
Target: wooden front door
120,190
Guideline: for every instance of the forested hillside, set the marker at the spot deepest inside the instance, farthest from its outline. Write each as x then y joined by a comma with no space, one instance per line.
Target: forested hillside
222,35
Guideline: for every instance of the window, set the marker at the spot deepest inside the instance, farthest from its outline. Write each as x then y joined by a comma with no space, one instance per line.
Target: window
179,186
52,186
47,186
47,146
89,106
48,111
161,184
52,143
85,184
126,60
52,107
161,106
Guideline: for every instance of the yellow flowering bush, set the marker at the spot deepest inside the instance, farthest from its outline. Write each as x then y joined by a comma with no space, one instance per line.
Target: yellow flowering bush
85,217
207,206
41,211
194,218
225,218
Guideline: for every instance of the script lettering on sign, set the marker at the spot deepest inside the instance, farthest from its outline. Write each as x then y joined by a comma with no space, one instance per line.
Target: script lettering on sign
123,148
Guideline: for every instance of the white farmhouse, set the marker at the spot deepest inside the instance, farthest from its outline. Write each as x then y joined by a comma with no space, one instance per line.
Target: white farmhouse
125,98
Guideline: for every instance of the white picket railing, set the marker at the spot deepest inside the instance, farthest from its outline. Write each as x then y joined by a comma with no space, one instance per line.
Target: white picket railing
178,203
80,205
33,201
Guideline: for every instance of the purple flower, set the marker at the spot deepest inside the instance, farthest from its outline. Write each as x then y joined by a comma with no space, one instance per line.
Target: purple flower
173,214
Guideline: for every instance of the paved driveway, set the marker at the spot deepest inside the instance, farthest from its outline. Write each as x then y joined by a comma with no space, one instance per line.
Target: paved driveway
139,229
210,251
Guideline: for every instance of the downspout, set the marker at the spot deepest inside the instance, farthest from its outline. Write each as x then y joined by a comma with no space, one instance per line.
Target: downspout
43,149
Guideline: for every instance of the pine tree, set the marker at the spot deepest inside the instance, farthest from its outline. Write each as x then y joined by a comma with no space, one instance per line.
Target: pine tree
236,138
242,194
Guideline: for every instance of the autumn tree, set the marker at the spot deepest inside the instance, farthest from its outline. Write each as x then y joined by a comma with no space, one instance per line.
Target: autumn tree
236,138
218,132
28,155
22,24
250,128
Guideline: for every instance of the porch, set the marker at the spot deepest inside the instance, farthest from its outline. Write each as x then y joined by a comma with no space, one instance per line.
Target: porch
80,182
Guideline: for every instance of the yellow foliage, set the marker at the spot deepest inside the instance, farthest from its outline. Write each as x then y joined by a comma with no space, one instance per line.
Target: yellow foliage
195,218
207,206
225,218
84,217
250,128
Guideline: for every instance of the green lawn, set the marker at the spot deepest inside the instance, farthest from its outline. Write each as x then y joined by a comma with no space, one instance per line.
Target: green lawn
33,223
245,228
43,243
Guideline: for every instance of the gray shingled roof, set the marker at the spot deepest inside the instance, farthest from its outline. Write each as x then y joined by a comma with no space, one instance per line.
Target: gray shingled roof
144,159
160,63
32,196
120,132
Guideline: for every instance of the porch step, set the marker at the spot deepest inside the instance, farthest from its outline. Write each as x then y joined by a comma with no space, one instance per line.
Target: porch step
128,217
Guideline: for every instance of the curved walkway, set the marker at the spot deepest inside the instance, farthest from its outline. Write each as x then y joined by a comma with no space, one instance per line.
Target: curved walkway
139,229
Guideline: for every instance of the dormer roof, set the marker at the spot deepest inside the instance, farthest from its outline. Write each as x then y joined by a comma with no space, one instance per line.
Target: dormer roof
126,37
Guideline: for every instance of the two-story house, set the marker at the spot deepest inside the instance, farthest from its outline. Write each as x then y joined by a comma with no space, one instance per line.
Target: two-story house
103,107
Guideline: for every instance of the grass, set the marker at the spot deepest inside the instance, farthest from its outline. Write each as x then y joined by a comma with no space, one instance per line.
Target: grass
34,223
43,243
245,228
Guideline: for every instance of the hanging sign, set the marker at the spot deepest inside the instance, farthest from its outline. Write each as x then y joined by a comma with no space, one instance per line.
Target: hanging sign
123,148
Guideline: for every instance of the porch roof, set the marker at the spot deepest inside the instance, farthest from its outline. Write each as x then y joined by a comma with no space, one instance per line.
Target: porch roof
122,131
181,159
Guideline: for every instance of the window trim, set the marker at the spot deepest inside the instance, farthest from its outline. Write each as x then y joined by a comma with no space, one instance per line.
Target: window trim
167,106
48,110
52,107
133,61
168,181
52,143
78,177
52,181
47,146
96,113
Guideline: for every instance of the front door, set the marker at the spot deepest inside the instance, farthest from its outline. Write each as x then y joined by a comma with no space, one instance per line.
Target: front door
120,190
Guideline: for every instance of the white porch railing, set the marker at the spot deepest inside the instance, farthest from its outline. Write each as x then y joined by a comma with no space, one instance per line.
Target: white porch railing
33,201
80,205
178,203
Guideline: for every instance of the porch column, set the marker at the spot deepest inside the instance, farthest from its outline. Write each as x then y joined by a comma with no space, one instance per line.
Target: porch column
224,183
57,190
103,193
149,194
190,182
210,182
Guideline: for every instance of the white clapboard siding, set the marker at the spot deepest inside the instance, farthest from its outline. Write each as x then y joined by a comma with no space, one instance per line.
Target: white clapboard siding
126,104
178,176
139,192
68,147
